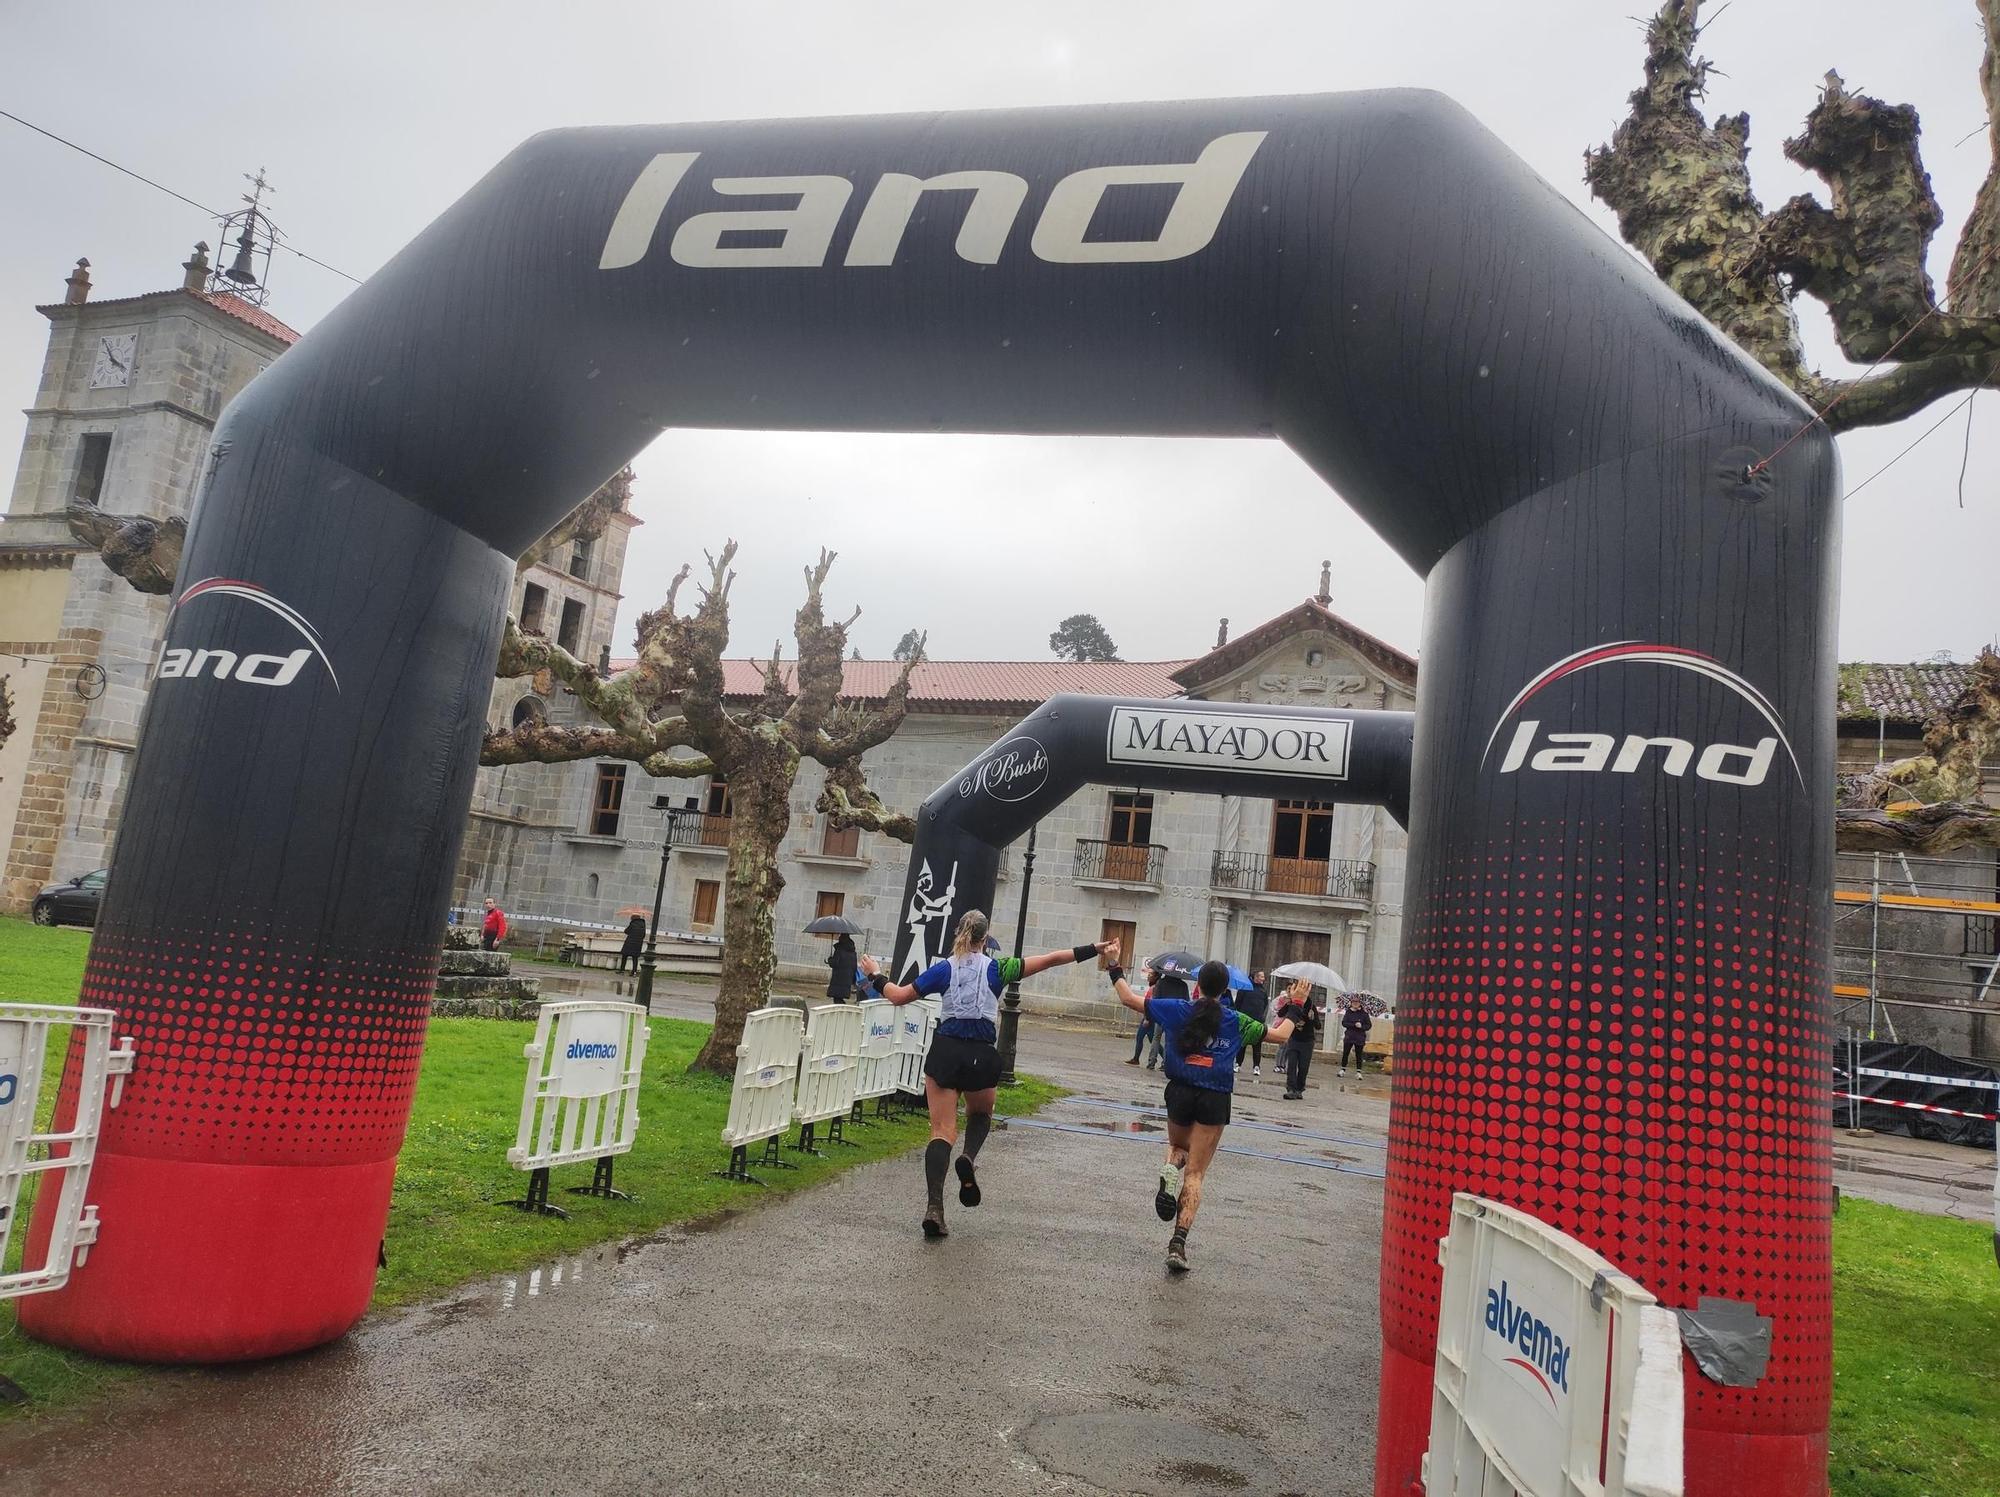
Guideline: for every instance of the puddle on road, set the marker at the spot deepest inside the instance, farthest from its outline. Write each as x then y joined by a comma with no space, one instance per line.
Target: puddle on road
1122,1125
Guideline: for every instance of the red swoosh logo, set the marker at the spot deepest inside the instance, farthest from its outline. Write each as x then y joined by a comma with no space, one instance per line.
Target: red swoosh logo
1523,1362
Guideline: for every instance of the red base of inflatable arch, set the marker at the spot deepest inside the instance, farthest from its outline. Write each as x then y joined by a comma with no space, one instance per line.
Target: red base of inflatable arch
1787,1465
185,1287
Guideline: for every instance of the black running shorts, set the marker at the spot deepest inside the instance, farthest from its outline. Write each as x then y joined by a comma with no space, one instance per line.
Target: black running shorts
1188,1103
960,1065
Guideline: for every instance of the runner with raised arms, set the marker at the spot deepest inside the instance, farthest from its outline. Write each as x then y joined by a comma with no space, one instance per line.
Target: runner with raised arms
1204,1037
963,1060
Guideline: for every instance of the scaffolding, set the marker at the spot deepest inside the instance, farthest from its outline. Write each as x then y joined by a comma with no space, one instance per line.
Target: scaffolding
1916,937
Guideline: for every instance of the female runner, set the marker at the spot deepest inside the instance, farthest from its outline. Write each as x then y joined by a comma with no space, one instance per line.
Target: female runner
963,1060
1204,1037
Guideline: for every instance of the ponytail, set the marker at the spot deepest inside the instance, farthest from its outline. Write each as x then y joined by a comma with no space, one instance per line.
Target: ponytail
971,935
1211,982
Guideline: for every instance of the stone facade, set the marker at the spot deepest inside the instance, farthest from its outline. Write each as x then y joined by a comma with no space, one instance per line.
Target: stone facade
535,843
130,436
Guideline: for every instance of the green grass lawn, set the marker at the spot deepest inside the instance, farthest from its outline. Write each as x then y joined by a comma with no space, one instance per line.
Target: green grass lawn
1916,1355
1916,1407
445,1223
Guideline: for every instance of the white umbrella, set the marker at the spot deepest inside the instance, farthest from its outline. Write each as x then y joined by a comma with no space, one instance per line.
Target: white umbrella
1317,973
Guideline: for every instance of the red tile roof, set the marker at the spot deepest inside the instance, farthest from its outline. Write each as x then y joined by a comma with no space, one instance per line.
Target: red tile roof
972,685
243,311
1311,614
224,302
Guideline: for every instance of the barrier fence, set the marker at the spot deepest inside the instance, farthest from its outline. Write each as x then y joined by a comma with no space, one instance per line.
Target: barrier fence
581,1100
820,1069
828,1071
1556,1374
59,1156
761,1100
879,1077
1916,1090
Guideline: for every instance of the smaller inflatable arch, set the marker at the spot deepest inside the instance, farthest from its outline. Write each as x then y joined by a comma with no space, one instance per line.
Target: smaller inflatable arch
1071,741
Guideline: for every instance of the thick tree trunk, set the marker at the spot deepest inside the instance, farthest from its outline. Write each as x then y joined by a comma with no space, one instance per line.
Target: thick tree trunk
760,788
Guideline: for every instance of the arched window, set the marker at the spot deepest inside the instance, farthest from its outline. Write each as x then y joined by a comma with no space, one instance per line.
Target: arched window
590,886
529,710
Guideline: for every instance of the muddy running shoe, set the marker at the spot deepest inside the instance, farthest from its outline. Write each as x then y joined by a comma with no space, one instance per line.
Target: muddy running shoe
1167,1199
968,1183
1177,1259
934,1226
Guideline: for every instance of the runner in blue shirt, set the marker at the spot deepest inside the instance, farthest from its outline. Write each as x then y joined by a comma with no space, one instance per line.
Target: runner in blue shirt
963,1060
1204,1037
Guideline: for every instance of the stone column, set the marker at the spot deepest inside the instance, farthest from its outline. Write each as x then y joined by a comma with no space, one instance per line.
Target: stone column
1356,970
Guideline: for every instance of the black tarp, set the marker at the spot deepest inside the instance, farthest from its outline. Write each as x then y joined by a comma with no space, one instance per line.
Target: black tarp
1955,1105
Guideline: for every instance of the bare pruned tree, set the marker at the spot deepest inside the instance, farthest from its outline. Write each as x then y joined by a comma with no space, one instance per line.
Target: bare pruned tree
669,715
1682,192
1681,189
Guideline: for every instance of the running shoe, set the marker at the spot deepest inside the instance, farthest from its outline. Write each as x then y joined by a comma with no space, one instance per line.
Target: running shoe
968,1183
1167,1199
934,1226
1177,1259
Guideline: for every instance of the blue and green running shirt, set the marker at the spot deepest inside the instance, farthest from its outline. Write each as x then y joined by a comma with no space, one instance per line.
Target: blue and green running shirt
1213,1067
971,997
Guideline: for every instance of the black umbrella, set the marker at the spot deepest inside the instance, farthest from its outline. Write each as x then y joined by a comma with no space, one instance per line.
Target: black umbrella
1174,961
833,925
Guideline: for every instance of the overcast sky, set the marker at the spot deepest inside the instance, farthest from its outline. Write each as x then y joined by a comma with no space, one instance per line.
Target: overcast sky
371,118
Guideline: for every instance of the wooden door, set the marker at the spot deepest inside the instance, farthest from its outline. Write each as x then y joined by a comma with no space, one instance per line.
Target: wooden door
1272,946
1126,934
1301,847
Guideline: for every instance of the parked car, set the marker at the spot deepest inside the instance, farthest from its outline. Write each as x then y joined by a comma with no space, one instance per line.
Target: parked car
72,903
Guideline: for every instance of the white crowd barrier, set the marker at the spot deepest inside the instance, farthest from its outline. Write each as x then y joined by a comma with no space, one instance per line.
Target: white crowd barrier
831,1064
880,1074
916,1026
26,1152
767,1071
581,1100
1556,1374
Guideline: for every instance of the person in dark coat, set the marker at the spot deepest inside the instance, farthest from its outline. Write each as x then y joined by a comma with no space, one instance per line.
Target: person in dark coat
635,942
1354,1027
1307,1015
841,960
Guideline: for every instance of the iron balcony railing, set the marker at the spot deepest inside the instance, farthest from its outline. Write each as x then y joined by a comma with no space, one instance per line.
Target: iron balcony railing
1119,862
697,829
1312,878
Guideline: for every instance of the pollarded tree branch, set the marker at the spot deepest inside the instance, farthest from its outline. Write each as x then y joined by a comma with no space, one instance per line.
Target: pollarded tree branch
1681,189
853,735
145,552
847,801
1929,831
1974,281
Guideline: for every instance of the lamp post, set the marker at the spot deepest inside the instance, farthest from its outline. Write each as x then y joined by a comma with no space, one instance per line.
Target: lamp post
649,962
1010,1010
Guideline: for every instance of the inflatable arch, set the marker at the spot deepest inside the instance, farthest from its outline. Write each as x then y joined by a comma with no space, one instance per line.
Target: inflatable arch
1071,741
1615,965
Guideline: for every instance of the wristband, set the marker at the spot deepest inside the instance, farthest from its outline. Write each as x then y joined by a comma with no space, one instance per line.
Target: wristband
1116,973
1082,954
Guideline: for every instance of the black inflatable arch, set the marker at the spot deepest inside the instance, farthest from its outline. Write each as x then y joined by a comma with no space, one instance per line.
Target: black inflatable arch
1615,974
1222,748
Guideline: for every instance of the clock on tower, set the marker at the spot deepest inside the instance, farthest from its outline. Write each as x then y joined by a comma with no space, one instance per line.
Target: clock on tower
112,367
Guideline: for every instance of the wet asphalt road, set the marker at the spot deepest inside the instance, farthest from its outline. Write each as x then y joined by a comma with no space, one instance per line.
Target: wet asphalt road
818,1344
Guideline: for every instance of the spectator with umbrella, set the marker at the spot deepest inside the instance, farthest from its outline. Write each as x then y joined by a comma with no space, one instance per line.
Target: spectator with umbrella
841,960
635,940
1354,1027
1308,1016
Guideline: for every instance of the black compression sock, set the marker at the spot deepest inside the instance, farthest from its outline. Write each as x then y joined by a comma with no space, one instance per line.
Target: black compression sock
977,1126
937,1159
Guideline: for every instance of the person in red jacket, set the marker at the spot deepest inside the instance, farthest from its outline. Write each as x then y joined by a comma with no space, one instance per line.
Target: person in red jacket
493,930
